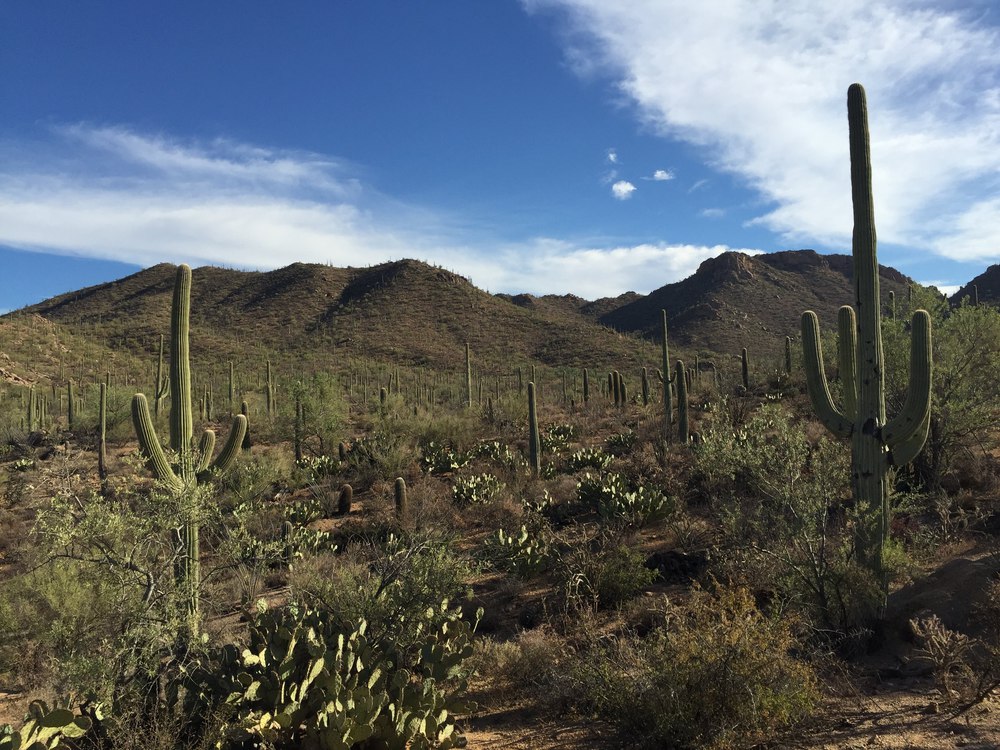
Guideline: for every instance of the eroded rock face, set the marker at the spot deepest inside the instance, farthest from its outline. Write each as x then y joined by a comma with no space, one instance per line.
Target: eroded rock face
728,267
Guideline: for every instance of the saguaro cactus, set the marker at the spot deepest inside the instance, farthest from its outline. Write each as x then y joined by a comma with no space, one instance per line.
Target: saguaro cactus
183,476
788,355
269,392
876,444
468,378
534,439
668,406
162,385
70,406
400,497
745,368
102,429
586,386
682,402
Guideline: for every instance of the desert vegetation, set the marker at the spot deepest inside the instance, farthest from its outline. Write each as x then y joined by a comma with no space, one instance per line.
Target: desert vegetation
669,544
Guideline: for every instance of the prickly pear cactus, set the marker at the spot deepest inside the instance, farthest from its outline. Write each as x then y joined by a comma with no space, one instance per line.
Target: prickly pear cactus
303,681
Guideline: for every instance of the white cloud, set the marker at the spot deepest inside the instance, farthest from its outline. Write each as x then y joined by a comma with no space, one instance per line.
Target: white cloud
623,189
661,175
946,289
612,156
550,266
712,213
762,94
698,186
147,200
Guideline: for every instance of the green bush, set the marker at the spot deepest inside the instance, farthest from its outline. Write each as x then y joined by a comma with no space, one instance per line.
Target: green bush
607,576
717,674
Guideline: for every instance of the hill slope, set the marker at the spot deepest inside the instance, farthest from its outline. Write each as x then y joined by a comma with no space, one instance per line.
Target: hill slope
410,313
988,285
737,300
404,311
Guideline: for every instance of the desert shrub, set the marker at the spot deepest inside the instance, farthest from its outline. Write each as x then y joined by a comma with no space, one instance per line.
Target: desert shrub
718,673
777,497
324,411
381,454
522,664
607,573
388,585
252,479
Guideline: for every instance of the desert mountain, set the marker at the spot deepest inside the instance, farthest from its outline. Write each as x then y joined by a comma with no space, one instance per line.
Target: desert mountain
736,300
988,285
405,312
412,313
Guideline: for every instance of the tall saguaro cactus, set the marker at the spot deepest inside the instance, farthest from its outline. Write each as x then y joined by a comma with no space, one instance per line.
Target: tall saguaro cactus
534,439
668,406
468,376
182,477
877,445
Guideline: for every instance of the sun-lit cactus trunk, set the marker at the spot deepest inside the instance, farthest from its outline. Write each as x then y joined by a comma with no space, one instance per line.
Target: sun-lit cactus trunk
683,427
586,386
788,355
668,406
745,368
181,418
70,406
876,446
468,377
102,429
534,439
30,413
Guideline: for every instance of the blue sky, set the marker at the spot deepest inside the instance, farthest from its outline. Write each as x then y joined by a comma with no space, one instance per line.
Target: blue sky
548,146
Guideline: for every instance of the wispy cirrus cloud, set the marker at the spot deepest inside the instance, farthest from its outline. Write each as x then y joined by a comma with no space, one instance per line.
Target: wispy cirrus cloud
118,194
762,94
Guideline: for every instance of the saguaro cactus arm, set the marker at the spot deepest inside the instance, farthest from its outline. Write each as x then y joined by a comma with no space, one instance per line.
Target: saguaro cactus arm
149,444
232,446
917,407
847,356
205,449
816,383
